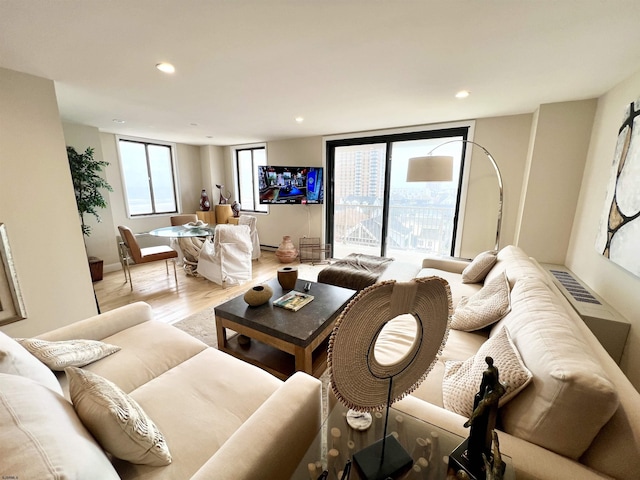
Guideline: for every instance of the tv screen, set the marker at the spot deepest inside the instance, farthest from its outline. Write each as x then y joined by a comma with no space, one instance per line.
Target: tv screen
290,185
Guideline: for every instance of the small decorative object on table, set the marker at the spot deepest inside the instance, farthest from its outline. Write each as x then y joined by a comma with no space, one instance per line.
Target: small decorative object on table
293,300
474,456
287,277
235,206
287,251
205,204
258,295
223,200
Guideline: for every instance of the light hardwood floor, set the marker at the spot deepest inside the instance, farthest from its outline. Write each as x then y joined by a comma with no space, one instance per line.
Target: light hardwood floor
151,284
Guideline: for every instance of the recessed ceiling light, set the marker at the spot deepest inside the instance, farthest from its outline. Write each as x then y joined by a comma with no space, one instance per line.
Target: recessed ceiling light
299,119
463,94
166,67
117,120
193,124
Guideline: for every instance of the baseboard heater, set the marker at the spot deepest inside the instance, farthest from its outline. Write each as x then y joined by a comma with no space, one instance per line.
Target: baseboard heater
609,327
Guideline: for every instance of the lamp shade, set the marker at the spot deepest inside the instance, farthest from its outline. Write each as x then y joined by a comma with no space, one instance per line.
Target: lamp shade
430,169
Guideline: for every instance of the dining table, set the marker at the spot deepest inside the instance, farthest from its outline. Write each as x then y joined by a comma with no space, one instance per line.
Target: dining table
183,231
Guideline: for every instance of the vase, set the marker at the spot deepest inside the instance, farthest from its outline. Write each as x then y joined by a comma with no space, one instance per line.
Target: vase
286,251
258,295
205,204
287,277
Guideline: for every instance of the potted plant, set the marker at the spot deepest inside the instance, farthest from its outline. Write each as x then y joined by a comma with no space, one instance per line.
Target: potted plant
87,183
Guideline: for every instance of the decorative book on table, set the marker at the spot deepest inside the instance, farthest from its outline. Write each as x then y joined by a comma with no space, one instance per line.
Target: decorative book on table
293,300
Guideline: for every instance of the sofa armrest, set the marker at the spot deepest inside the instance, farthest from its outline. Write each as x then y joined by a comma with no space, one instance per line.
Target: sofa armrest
274,440
104,325
448,264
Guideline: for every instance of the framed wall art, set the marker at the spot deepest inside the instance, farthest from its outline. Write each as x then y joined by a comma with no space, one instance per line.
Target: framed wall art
619,233
11,304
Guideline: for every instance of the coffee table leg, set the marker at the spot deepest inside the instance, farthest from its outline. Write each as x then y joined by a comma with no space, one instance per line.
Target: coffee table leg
304,360
222,334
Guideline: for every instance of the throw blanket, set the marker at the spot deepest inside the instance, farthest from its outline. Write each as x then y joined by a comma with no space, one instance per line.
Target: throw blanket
355,271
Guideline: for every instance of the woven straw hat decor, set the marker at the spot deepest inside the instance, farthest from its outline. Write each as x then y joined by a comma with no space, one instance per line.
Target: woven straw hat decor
358,379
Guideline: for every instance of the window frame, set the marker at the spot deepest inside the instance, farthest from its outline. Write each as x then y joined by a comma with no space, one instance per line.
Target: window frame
174,175
255,194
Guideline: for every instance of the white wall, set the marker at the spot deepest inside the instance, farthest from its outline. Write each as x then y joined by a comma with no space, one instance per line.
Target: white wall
616,285
555,165
38,206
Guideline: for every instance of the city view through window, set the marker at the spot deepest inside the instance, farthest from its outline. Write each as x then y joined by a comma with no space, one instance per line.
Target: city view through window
415,219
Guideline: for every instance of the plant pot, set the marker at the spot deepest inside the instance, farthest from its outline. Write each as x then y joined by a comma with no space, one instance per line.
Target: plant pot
95,267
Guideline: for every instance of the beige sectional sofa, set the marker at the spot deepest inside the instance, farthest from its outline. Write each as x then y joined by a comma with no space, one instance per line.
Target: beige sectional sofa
579,417
221,418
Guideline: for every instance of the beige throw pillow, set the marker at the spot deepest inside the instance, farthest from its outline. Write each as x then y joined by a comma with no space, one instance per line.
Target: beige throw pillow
16,360
479,267
67,353
462,379
116,420
490,304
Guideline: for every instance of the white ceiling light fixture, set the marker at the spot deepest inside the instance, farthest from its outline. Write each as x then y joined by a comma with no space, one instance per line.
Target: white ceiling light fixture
165,67
117,120
463,94
299,119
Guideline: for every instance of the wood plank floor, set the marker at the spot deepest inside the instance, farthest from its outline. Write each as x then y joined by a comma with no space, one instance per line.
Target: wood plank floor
151,284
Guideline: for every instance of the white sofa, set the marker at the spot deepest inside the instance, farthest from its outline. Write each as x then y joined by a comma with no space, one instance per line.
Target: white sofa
579,418
222,418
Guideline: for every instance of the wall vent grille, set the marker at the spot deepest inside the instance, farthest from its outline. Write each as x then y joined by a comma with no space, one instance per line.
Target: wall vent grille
577,291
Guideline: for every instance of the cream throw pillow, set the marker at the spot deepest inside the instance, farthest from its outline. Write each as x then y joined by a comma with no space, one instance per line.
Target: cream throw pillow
462,379
16,360
490,304
67,353
116,420
479,267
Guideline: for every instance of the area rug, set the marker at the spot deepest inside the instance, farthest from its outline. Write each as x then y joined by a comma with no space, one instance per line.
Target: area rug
202,325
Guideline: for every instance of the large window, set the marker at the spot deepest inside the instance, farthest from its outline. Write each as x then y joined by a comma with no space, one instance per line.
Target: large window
149,179
247,161
372,209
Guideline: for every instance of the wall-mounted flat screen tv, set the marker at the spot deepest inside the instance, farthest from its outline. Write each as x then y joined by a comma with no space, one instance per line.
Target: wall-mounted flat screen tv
290,185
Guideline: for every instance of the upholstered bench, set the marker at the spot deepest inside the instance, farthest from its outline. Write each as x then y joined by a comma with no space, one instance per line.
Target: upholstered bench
356,271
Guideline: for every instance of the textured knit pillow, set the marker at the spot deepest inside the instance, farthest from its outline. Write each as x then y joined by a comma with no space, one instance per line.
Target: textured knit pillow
116,420
479,267
487,306
462,379
67,353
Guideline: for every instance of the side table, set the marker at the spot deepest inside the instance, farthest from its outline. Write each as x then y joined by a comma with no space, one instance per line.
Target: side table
428,445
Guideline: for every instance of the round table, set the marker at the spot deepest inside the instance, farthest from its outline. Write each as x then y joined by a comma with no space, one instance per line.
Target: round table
181,231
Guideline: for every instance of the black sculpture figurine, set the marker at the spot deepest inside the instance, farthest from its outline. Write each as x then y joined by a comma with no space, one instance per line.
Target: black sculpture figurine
469,455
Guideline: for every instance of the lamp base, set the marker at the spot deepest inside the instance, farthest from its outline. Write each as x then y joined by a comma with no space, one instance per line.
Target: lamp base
373,466
458,460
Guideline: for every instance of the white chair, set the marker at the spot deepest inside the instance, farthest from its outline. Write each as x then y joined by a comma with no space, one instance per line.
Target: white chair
227,260
251,222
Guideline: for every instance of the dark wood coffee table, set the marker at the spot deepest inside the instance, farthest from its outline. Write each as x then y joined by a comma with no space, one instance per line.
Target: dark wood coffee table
282,341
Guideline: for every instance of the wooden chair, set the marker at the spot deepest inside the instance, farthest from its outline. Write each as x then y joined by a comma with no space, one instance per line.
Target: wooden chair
130,250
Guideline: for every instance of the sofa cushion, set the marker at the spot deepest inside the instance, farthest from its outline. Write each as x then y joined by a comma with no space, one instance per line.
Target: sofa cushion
116,420
16,360
462,379
67,353
570,397
479,267
458,289
483,308
41,436
517,264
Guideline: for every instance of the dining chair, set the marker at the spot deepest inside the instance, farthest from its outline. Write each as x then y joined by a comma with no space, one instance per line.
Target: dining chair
130,250
177,220
227,260
251,221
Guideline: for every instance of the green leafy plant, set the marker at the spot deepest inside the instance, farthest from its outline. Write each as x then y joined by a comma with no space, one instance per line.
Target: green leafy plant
87,183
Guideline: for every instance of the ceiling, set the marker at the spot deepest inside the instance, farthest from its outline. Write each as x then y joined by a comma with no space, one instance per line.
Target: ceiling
245,69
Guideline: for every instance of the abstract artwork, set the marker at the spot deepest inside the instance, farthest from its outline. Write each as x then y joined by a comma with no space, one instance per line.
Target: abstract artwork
619,233
11,304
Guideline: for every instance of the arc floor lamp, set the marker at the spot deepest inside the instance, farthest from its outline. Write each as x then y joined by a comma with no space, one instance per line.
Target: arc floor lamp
439,168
